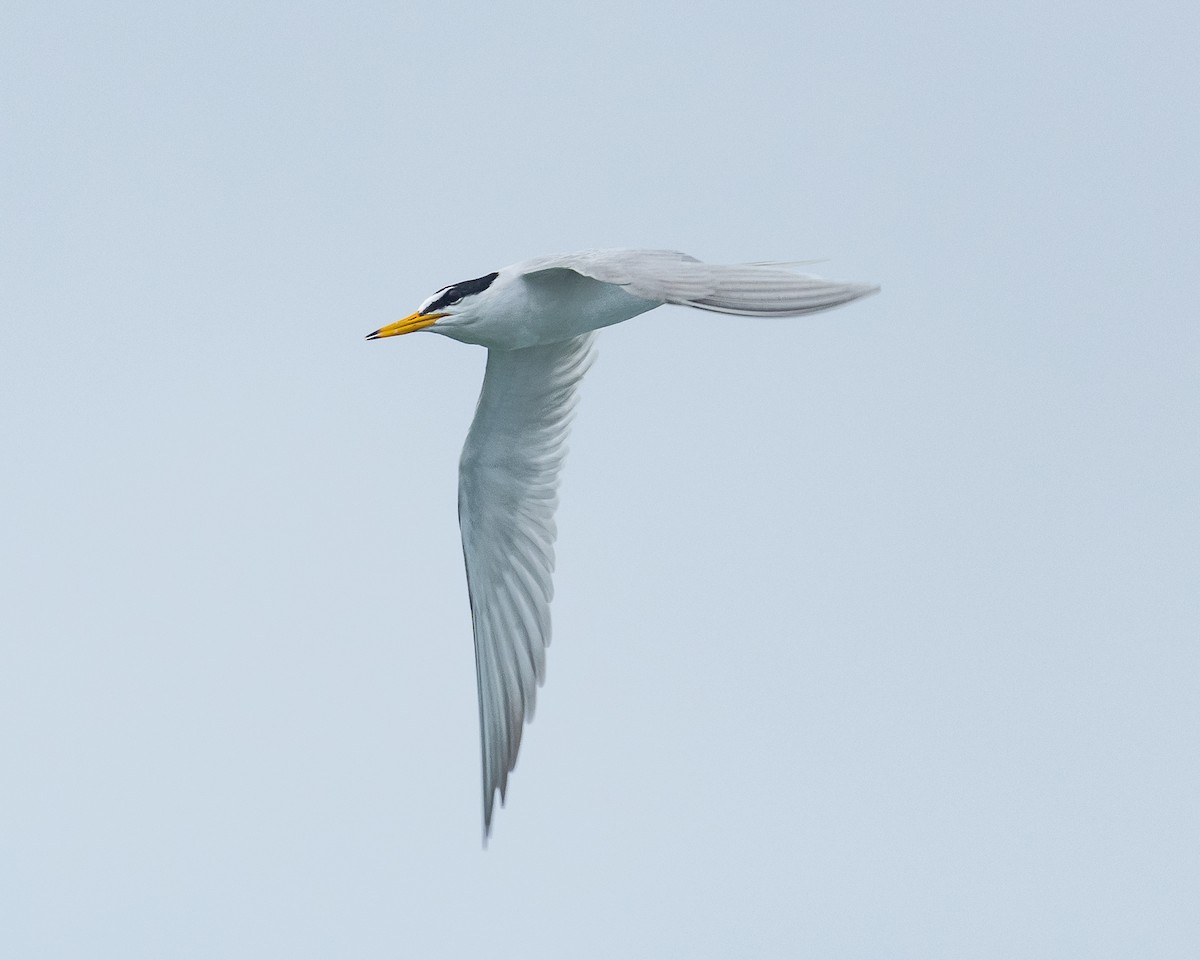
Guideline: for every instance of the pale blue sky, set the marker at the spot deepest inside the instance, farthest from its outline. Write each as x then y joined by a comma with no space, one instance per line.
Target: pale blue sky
876,632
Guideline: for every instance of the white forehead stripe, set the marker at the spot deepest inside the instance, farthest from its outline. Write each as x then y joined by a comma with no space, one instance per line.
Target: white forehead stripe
428,300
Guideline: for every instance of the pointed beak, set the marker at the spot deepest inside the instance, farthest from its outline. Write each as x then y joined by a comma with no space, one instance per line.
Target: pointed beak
416,321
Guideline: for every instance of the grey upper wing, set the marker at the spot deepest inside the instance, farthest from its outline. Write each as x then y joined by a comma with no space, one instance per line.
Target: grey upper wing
508,479
750,289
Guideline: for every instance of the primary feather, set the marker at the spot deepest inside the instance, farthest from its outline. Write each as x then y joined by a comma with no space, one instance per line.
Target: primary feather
751,289
507,494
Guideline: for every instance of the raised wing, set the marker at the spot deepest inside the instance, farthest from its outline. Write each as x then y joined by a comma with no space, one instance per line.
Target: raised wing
748,289
507,493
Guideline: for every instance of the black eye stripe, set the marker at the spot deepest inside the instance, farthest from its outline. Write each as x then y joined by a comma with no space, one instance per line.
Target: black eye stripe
457,291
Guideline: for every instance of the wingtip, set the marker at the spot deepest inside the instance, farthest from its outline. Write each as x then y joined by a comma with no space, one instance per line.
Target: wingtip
857,291
488,807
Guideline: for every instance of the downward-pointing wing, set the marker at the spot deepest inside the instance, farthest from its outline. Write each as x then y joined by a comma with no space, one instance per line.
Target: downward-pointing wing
507,493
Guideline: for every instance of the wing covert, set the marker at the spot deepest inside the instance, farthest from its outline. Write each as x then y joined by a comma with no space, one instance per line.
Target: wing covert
508,480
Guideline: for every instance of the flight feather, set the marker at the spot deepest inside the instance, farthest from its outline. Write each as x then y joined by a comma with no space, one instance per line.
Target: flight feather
508,482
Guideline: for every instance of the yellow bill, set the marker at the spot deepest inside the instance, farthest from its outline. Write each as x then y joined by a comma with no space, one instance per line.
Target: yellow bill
416,321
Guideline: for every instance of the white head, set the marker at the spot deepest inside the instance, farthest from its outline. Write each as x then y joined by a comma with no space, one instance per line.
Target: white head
450,307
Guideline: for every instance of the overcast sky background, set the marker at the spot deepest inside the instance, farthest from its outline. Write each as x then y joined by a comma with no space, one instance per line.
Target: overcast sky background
876,633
